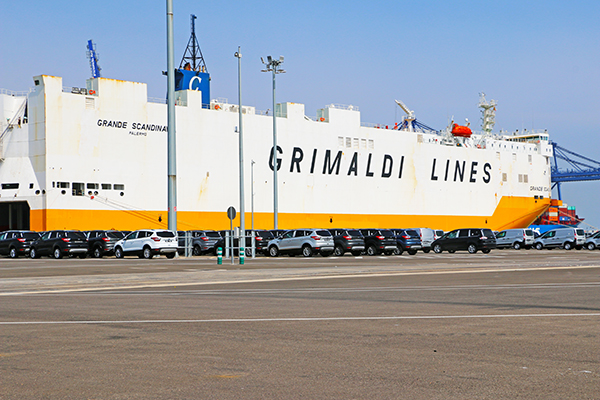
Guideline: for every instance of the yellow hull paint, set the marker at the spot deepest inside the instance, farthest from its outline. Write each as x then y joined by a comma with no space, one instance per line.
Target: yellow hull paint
512,212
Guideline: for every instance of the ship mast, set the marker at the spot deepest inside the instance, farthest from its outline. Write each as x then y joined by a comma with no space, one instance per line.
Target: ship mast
195,58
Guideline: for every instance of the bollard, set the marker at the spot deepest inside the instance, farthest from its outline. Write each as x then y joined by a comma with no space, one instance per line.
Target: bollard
219,256
242,255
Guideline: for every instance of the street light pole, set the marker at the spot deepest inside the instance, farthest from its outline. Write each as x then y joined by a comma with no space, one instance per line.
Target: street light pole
242,241
273,65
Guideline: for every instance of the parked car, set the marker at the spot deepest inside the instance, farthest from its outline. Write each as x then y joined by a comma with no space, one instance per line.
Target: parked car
102,243
147,243
378,241
438,233
407,240
471,239
427,236
16,243
277,232
203,242
593,242
261,242
60,243
567,238
515,238
303,241
350,240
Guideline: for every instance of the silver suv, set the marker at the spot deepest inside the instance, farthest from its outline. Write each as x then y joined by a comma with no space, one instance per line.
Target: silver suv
147,243
302,241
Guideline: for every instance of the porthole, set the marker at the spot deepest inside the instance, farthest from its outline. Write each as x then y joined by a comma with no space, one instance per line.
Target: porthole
122,193
63,192
37,192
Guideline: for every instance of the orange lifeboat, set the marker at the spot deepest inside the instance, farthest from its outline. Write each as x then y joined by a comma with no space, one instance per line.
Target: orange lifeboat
462,131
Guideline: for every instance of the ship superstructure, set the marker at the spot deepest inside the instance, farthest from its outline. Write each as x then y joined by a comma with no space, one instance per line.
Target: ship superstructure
95,158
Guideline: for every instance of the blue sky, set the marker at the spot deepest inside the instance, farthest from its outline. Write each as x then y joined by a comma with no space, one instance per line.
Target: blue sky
538,59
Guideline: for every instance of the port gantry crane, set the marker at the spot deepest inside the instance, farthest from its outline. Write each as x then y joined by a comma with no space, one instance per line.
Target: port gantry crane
580,168
93,57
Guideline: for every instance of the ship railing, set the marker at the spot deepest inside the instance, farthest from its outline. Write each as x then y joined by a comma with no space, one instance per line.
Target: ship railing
343,107
156,100
378,126
16,94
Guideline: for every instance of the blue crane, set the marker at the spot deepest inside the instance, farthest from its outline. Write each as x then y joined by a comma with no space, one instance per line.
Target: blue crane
93,57
580,168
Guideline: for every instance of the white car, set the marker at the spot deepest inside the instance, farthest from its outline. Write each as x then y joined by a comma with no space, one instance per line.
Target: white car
147,243
593,242
567,238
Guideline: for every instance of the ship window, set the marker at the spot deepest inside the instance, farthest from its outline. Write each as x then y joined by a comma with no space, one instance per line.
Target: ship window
10,186
504,178
106,186
529,158
525,178
371,144
119,186
340,141
356,143
363,143
92,186
90,103
419,138
520,178
348,142
514,156
77,189
62,185
31,186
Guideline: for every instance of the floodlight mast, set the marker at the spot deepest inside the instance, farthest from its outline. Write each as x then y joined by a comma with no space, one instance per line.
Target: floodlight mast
273,66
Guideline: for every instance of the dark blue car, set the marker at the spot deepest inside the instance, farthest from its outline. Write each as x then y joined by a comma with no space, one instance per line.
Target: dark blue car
408,240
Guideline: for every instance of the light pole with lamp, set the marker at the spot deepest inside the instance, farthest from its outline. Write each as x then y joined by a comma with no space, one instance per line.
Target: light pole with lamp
242,240
273,65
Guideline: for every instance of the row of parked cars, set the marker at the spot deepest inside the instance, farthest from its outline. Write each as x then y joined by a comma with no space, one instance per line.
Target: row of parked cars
147,243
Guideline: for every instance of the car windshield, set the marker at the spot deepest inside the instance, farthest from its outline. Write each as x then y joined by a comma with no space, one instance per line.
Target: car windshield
165,234
412,233
580,232
76,235
213,235
354,233
31,235
488,233
596,235
386,233
115,235
528,232
324,233
265,234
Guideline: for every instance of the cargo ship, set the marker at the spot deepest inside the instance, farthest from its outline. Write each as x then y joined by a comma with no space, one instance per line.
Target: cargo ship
557,216
95,157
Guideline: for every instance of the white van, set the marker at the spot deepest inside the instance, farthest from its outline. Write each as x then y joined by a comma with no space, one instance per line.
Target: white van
515,238
427,237
567,238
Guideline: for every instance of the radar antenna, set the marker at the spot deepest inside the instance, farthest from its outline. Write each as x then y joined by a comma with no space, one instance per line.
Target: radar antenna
93,57
195,58
488,113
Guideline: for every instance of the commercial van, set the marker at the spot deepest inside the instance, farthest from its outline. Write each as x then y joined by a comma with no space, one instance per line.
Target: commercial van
567,238
427,236
515,238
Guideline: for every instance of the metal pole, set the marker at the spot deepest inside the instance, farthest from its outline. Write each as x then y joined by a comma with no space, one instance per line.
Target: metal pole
252,205
242,240
275,193
171,155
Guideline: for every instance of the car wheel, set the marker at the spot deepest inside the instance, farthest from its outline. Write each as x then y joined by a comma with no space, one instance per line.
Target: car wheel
83,255
338,251
472,249
170,255
485,251
590,246
412,252
33,253
147,253
13,253
357,253
57,254
118,252
539,246
451,251
196,251
426,251
248,252
307,251
273,251
517,245
568,246
437,249
371,250
97,252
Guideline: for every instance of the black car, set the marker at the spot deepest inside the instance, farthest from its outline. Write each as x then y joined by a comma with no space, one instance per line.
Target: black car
16,243
261,242
378,241
60,243
102,243
408,240
350,240
471,239
203,242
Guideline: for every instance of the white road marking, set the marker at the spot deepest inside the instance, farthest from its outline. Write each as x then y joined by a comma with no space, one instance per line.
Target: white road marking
299,319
